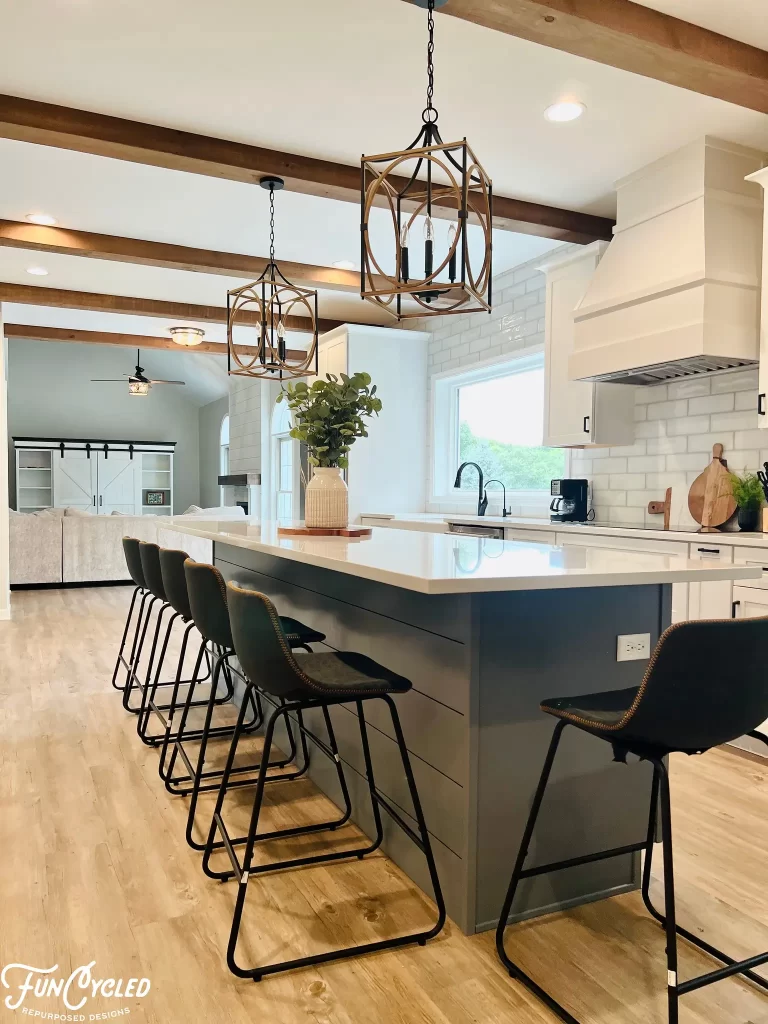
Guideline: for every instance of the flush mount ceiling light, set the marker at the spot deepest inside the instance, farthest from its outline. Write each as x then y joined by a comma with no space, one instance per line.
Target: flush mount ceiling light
568,110
428,180
43,219
262,309
37,271
188,337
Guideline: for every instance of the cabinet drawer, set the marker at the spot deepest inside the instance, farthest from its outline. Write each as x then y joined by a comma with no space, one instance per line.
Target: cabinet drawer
716,552
752,556
532,536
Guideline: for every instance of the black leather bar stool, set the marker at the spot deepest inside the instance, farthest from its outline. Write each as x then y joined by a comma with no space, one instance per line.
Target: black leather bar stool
208,606
133,561
300,682
174,584
695,695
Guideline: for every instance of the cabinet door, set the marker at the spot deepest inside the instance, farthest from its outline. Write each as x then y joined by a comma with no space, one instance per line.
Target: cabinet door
332,357
74,480
751,603
116,483
568,404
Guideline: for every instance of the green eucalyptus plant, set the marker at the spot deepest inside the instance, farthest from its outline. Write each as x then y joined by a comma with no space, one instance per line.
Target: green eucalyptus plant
747,490
329,415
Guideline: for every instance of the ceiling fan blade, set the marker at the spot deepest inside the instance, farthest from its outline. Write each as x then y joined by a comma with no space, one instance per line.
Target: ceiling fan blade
107,380
168,382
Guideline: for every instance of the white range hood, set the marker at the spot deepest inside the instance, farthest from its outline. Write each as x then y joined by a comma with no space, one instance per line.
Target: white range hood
678,290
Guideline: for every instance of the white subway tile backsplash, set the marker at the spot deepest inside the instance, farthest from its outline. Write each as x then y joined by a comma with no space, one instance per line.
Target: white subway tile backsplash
704,442
733,421
690,425
626,481
644,396
665,445
750,438
666,410
613,465
641,413
712,403
640,499
646,463
741,380
740,460
694,388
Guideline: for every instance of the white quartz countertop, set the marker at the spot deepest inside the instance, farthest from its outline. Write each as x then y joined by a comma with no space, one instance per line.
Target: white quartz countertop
439,520
453,564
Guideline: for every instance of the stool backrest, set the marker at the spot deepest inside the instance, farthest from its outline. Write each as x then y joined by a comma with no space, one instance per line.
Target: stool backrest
261,646
150,564
174,580
133,561
207,593
706,684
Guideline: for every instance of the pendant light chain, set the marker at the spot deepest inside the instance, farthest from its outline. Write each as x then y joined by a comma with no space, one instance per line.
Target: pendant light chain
429,116
271,225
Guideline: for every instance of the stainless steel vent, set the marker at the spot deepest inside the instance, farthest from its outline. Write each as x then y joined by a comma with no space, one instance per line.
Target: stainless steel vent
673,370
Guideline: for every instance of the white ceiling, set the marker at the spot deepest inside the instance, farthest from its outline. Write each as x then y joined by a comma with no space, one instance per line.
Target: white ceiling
331,79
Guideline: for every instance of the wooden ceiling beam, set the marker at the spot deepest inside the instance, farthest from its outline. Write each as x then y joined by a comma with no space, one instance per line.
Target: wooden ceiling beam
47,124
634,38
61,298
139,341
20,235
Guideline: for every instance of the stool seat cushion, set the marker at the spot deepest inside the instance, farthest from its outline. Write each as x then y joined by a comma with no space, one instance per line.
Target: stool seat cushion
596,711
347,674
297,633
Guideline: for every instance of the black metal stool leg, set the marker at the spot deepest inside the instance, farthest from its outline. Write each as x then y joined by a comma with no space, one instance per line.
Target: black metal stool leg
119,659
136,659
514,970
149,689
660,770
173,708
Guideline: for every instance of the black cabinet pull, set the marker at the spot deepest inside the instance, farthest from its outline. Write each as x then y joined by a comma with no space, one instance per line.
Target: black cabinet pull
761,404
709,551
586,424
734,606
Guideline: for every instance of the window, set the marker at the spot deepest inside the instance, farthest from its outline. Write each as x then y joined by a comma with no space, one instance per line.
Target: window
223,453
494,415
285,469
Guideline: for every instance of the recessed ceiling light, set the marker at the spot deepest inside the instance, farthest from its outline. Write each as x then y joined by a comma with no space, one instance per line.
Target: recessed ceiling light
569,110
43,219
37,271
344,265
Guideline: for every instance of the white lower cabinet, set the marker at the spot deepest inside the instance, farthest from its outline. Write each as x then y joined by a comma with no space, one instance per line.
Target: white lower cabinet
710,600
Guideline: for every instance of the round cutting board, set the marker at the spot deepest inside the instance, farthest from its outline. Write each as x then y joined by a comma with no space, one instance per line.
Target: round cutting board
710,500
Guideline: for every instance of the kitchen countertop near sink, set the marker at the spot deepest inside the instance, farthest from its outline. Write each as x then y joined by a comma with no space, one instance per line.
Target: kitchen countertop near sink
435,522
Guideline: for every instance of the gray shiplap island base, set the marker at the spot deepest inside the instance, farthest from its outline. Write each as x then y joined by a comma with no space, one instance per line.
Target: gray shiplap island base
480,663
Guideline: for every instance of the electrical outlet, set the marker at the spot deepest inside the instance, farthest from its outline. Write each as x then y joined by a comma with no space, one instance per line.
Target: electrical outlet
633,647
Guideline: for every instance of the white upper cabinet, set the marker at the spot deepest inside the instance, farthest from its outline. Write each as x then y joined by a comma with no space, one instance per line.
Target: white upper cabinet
577,412
762,399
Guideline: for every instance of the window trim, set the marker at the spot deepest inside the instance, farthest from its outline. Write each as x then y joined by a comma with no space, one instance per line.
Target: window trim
444,434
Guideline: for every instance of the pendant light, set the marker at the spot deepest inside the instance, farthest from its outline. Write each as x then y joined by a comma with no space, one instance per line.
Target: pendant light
432,190
267,303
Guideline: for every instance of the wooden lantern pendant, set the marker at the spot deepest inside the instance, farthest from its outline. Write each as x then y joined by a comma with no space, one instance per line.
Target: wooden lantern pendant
430,181
263,307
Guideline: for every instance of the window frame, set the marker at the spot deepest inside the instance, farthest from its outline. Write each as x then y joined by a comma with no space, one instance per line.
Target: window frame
280,426
444,428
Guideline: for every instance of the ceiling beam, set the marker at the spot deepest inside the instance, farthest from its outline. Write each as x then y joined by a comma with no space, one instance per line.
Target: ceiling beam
20,235
633,38
48,124
61,298
139,341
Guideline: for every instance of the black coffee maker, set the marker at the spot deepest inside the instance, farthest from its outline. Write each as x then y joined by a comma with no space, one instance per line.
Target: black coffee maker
570,501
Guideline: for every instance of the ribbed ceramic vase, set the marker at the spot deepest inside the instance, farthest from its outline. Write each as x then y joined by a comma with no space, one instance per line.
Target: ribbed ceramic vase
326,504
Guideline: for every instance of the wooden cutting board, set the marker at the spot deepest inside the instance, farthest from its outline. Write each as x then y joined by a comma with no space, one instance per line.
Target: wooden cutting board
710,500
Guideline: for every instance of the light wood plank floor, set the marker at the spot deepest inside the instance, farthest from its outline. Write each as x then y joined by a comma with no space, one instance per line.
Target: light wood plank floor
94,867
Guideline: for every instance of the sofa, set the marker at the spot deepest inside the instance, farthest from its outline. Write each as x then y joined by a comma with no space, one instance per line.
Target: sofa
68,546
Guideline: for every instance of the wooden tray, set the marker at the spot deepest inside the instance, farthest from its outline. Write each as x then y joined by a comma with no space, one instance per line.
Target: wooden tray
306,531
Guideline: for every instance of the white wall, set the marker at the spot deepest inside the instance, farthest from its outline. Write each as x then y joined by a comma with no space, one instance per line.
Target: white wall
210,417
50,394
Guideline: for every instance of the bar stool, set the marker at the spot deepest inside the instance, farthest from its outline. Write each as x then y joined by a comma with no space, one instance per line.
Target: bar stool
207,594
133,561
302,682
174,585
695,695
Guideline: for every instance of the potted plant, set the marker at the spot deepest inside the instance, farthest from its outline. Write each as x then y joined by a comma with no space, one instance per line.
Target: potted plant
328,417
748,494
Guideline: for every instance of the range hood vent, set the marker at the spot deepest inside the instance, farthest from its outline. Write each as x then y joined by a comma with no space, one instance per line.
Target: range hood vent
677,292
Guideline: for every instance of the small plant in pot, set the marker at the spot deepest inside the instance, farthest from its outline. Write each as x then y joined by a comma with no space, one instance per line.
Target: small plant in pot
328,417
748,495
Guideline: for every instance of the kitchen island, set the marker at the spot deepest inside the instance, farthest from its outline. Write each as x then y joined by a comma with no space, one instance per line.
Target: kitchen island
485,629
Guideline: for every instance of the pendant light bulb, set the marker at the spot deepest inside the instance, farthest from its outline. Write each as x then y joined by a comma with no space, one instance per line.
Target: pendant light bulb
429,230
452,253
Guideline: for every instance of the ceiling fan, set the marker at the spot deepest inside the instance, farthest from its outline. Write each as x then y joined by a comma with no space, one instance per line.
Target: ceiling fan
138,384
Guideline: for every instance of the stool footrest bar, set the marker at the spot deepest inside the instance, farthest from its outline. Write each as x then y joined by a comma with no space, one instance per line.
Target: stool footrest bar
588,858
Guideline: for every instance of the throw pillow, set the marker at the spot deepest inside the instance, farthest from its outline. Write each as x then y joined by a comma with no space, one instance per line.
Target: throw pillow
79,513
